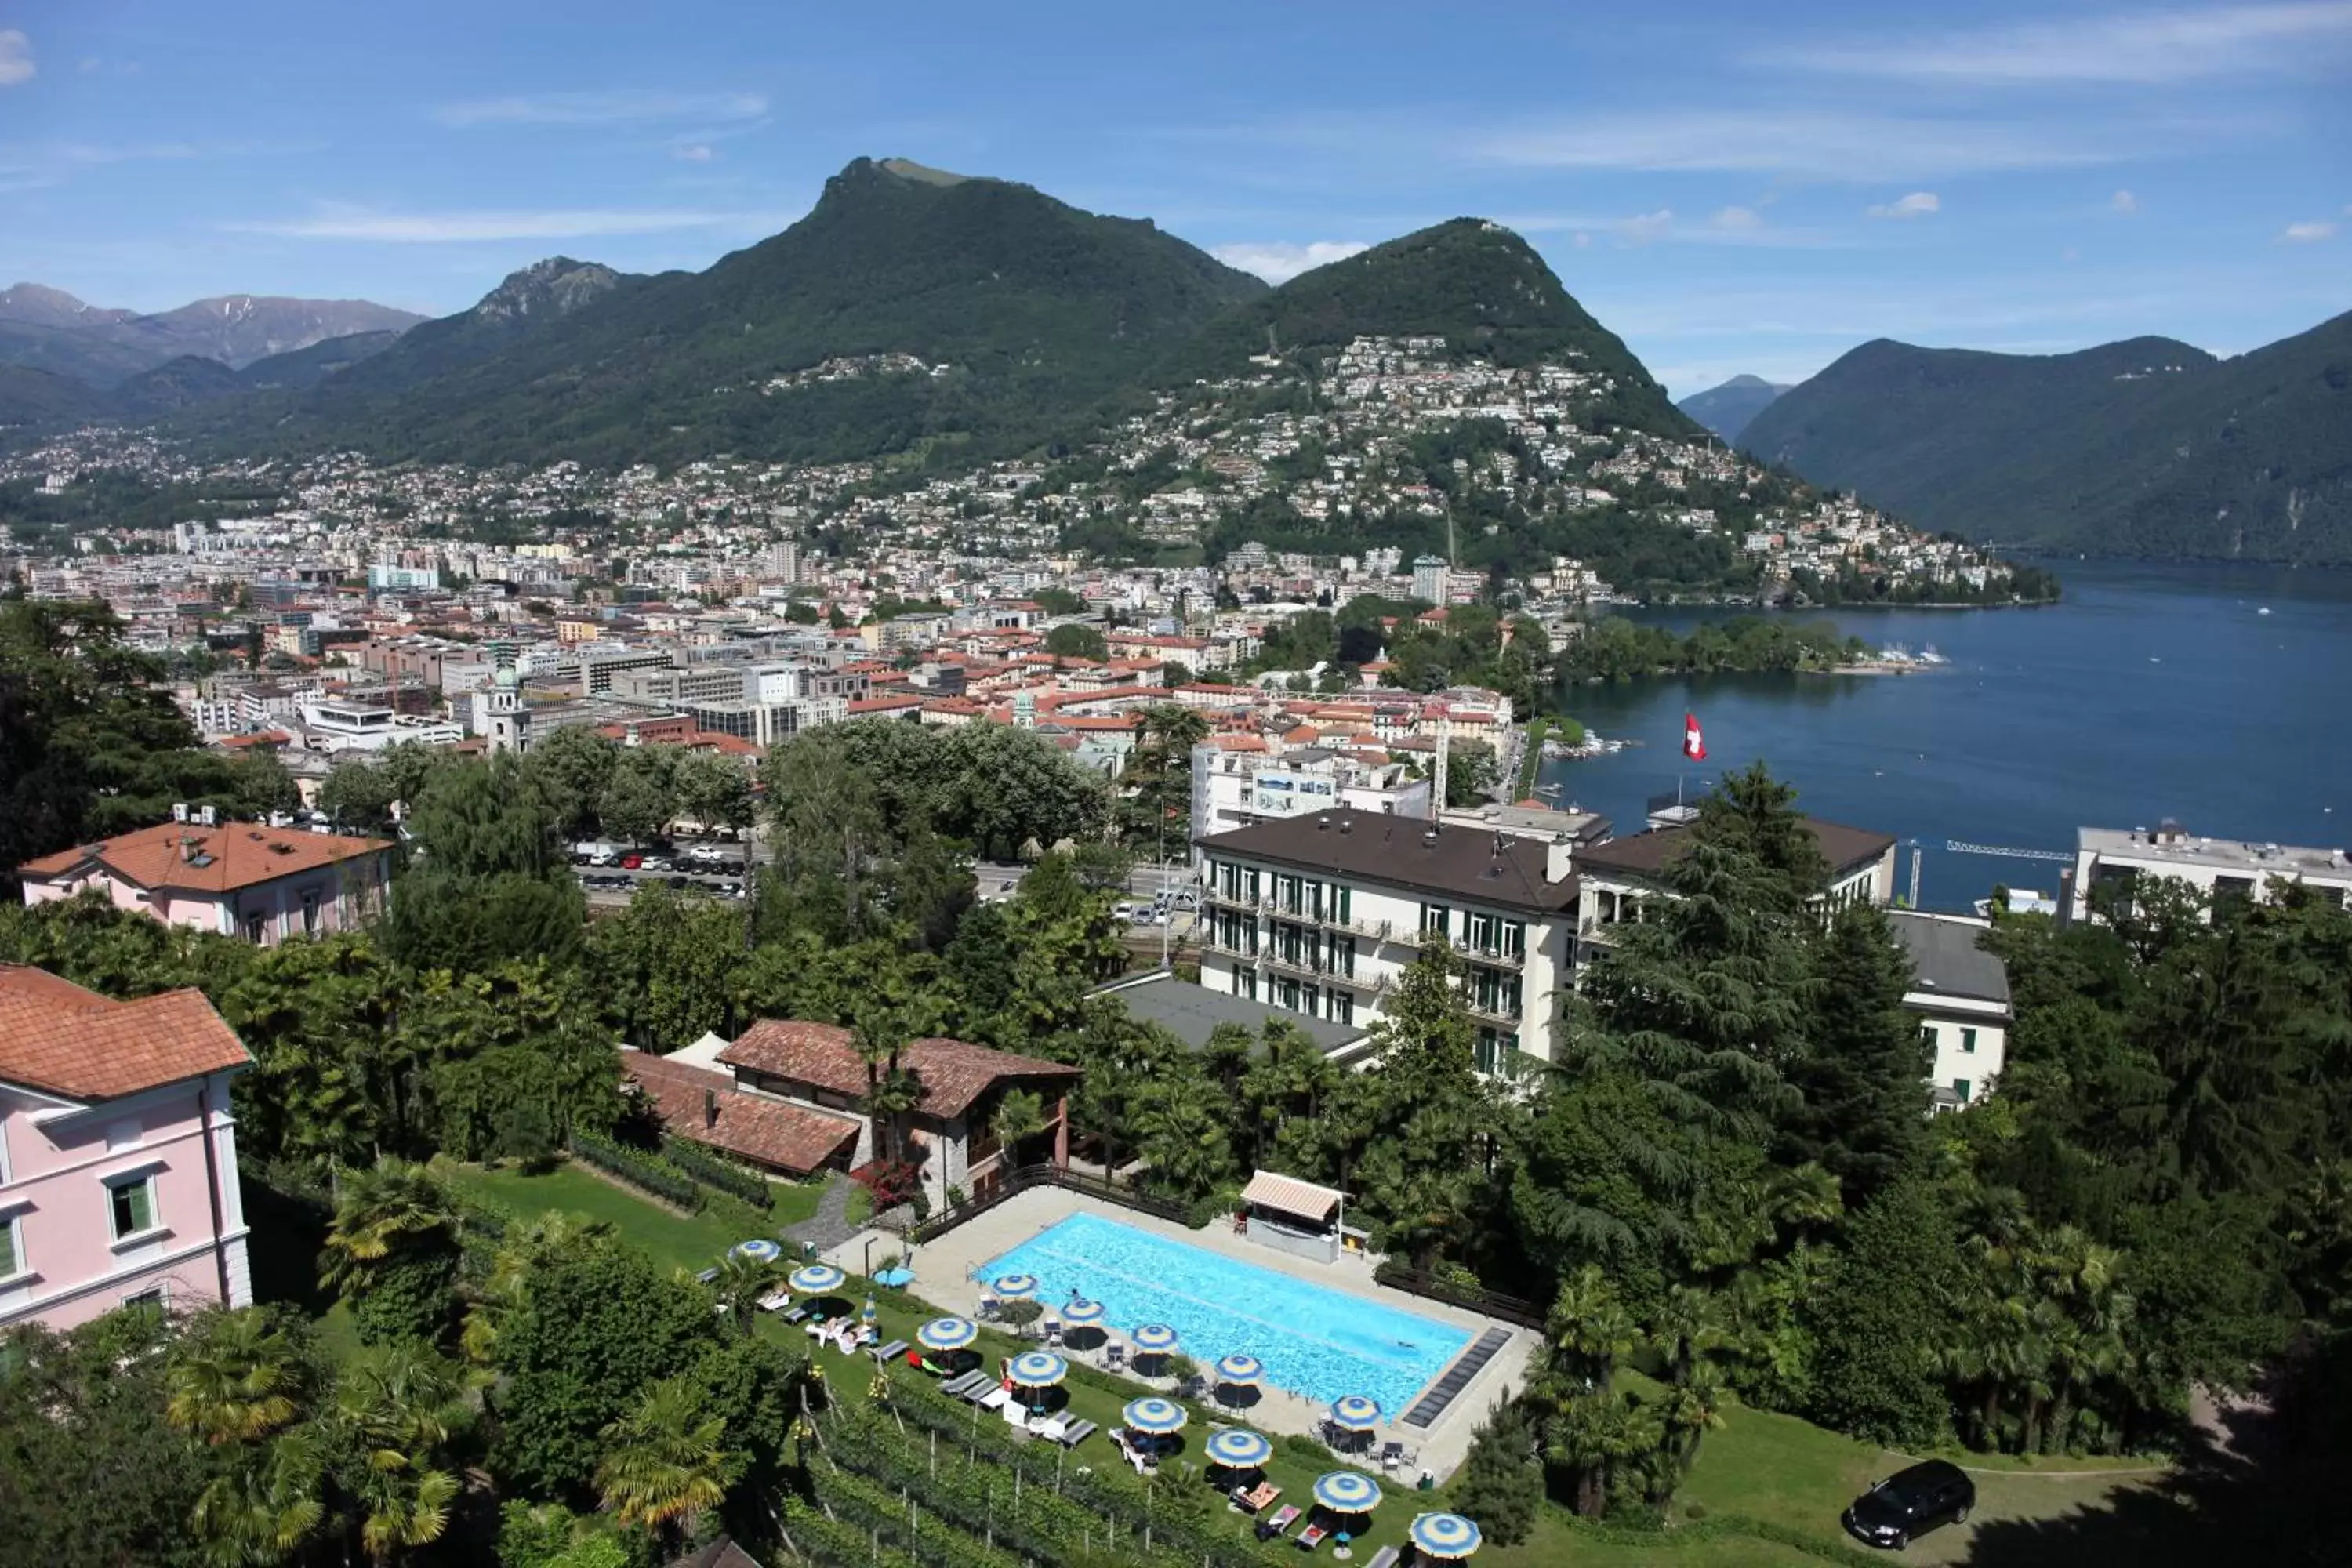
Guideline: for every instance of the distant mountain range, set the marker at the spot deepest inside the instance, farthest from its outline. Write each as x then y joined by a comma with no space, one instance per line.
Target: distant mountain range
47,329
2147,448
1726,409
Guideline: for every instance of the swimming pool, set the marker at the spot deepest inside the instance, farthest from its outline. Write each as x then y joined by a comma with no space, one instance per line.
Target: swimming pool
1315,1343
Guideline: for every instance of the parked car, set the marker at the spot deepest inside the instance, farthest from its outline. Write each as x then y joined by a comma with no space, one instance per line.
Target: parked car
1909,1503
632,862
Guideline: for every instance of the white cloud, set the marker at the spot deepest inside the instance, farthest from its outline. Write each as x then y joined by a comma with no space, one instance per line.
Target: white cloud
2307,233
2123,202
443,228
623,107
693,152
1280,261
1737,220
1645,227
1918,204
1861,148
16,58
2144,46
1583,240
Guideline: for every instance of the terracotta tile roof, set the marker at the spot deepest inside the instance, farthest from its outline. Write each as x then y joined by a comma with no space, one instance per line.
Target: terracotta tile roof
56,1037
232,855
954,1073
788,1137
1647,854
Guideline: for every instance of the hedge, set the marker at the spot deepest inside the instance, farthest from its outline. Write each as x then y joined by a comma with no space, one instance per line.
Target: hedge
713,1172
645,1172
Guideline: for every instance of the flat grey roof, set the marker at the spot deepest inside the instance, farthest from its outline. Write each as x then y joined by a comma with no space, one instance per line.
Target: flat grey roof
2214,854
1947,959
1190,1012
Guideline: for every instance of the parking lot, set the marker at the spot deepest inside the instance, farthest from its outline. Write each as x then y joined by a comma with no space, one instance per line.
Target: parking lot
617,873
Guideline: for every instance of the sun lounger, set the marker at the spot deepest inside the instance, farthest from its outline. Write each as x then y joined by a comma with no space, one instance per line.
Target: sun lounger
1078,1432
1391,1454
995,1399
1386,1557
1114,1357
1312,1537
1277,1525
775,1300
1014,1414
892,1351
797,1315
1257,1499
706,1276
1053,1428
969,1382
852,1340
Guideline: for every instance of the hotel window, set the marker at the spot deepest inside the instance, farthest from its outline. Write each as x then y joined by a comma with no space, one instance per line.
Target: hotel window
1310,1001
1434,917
311,913
1286,991
1968,1041
1340,908
1245,983
132,1205
1343,1007
1343,957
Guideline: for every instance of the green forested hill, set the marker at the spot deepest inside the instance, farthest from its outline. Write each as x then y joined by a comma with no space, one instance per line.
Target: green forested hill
1727,409
1034,308
2147,448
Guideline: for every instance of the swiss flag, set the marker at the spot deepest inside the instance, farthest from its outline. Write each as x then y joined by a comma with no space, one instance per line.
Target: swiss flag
1694,743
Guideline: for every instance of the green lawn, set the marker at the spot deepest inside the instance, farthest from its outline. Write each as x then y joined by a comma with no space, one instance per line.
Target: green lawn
1788,1476
693,1242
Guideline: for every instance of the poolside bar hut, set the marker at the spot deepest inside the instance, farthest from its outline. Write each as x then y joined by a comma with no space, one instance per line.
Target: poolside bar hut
1291,1216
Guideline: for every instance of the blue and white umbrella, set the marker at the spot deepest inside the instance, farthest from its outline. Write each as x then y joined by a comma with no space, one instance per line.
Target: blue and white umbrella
1355,1413
870,1312
1448,1536
759,1250
1153,1414
1015,1287
1076,1313
816,1278
1154,1339
1241,1371
948,1333
1239,1449
1037,1369
1347,1491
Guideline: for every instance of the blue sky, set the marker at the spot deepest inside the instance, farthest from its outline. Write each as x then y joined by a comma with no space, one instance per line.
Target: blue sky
1731,186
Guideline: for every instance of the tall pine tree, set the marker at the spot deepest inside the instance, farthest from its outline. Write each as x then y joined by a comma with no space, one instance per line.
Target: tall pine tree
1863,1070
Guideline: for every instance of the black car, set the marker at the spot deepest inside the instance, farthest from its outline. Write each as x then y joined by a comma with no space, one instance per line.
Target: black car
1910,1503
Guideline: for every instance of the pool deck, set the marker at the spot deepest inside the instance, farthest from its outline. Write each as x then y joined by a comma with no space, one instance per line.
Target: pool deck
944,1267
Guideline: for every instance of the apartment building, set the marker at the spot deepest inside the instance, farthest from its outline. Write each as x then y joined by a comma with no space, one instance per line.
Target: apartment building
1320,913
2110,862
1961,994
1615,878
1233,789
239,878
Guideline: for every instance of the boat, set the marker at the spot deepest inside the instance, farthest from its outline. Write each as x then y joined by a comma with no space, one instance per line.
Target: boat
1929,656
2264,611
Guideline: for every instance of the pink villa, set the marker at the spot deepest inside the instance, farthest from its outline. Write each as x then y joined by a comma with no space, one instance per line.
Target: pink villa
118,1155
240,879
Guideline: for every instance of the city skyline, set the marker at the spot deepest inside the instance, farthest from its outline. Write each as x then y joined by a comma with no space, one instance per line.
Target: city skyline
1728,198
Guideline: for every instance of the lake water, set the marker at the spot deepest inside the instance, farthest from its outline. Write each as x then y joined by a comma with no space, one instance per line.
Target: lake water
2152,691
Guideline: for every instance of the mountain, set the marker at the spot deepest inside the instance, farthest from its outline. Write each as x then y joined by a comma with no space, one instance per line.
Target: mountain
50,330
909,308
174,384
32,397
2147,448
308,367
1726,409
1475,284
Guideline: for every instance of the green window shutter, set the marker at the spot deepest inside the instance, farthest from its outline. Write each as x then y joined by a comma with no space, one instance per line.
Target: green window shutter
7,1247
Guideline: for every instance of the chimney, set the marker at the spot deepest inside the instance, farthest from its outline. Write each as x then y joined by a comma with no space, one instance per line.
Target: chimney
1560,856
188,842
709,1108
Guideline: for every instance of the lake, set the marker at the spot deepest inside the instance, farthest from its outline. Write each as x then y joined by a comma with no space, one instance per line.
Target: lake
2150,691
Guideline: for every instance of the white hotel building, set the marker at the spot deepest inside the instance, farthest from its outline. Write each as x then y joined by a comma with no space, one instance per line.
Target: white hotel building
2108,862
1320,913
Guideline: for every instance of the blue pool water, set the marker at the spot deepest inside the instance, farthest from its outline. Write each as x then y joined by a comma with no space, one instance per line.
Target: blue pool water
1315,1342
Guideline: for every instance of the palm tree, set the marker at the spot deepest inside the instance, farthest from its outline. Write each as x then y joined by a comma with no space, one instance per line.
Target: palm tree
393,1408
261,1511
1594,1433
234,1377
740,1283
1589,1329
1183,1142
1020,1116
890,1091
1687,1325
1690,1410
521,1252
393,1208
663,1466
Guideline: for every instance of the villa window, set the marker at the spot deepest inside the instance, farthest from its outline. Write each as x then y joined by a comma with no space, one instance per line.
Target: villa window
256,926
1968,1041
12,1254
1928,1035
132,1205
311,913
1960,1087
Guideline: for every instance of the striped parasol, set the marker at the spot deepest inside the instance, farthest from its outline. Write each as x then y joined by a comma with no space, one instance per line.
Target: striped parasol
1241,1371
1355,1413
816,1278
1153,1414
1446,1536
759,1250
1239,1449
1081,1312
1154,1339
947,1333
1347,1491
1037,1369
1015,1287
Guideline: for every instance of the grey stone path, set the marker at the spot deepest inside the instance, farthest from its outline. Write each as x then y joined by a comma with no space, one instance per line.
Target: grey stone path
829,1227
